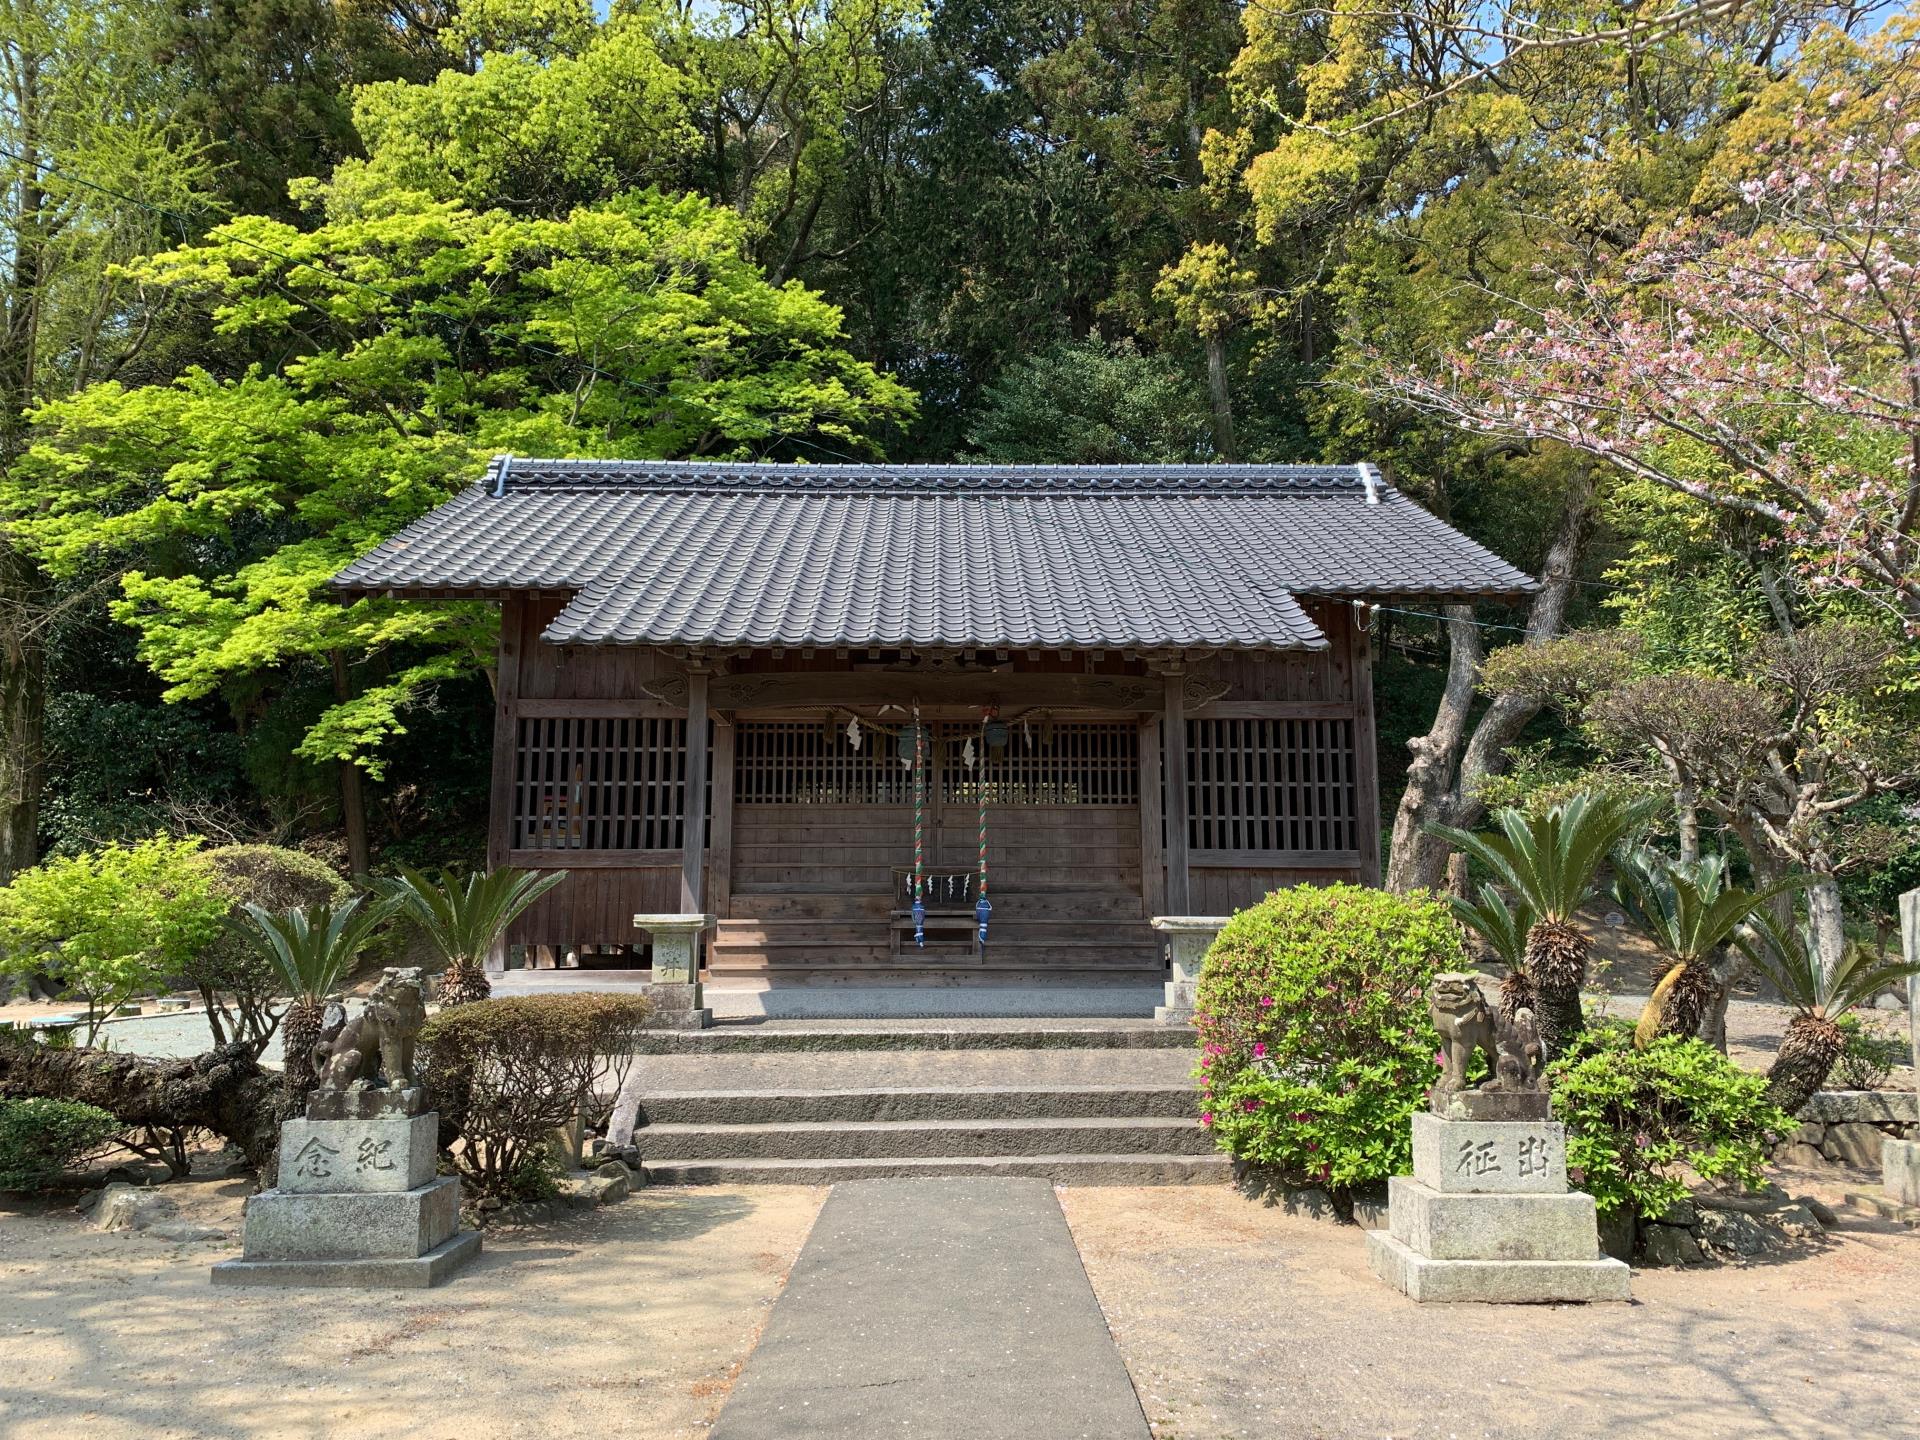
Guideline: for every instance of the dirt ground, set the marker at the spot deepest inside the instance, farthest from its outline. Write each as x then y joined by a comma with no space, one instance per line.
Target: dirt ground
1239,1321
631,1321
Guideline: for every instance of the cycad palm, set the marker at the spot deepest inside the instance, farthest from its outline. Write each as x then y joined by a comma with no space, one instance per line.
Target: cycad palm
464,920
314,949
1819,997
1549,861
1689,910
1504,928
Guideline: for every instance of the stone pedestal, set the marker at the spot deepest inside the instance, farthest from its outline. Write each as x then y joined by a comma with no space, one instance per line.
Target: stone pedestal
678,1003
1188,939
358,1203
1487,1216
1900,1171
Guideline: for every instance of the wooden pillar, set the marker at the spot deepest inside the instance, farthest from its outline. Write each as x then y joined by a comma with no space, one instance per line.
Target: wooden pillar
694,844
1153,860
506,746
720,829
1173,749
1366,751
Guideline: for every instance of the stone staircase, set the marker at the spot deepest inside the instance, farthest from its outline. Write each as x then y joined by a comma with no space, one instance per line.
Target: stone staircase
1094,1103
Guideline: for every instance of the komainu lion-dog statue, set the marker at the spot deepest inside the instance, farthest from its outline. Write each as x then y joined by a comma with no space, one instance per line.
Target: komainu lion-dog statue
1467,1025
376,1045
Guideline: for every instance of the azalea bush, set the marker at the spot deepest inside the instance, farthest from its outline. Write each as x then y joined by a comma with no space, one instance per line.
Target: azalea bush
1640,1122
1315,1044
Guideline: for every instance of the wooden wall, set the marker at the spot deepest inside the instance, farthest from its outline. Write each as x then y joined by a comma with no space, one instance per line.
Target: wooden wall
1118,847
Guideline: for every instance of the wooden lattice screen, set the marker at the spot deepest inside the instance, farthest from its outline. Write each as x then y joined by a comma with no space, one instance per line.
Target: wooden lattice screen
811,762
600,783
1066,763
1271,785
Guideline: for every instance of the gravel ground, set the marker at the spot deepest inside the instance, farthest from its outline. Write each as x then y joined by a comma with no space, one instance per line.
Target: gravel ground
1238,1321
631,1321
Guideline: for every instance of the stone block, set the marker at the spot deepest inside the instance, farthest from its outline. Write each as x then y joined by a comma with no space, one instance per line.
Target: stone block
1886,1107
1854,1142
1491,1227
1512,1282
1900,1171
358,1157
1490,1157
1492,1105
415,1272
283,1226
367,1103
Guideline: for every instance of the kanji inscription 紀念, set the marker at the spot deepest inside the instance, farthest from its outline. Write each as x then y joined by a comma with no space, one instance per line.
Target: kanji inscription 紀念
315,1160
373,1155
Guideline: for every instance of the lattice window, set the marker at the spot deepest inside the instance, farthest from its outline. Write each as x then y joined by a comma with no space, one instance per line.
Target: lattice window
1064,763
1271,785
811,762
600,783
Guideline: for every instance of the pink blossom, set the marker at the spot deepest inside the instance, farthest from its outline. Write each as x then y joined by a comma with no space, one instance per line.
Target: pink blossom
1259,1049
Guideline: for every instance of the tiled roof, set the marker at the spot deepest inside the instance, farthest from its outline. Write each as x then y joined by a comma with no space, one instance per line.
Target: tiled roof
1043,557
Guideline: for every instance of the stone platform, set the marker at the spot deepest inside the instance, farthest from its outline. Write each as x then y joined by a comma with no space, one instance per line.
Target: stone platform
358,1203
1487,1216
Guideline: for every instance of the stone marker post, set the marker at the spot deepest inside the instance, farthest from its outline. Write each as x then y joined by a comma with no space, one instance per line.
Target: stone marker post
359,1202
1189,937
1487,1214
1900,1159
676,992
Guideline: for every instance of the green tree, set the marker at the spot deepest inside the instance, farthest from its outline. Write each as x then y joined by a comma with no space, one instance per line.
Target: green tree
1088,402
1550,861
314,949
110,924
465,920
89,138
417,336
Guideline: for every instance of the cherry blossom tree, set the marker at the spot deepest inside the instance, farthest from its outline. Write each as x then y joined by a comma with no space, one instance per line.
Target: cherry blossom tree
1764,360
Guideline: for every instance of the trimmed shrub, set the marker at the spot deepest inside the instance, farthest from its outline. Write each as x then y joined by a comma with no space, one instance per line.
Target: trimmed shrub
1638,1121
41,1140
235,979
506,1074
1315,1045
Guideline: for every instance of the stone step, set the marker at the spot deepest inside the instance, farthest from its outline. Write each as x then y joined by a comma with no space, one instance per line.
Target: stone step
924,1139
1877,1202
895,1103
1064,1169
750,1036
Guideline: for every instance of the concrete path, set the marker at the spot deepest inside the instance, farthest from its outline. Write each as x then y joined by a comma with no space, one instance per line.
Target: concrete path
935,1308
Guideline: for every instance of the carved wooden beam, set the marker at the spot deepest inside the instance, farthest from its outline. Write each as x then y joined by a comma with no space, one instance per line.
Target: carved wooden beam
1007,691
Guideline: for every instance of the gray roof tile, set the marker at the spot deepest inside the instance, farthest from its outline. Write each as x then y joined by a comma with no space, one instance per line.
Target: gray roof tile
694,553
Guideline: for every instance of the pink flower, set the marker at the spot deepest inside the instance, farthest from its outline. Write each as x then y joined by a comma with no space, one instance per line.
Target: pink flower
1440,1058
1207,1119
1250,1105
1266,1002
1259,1049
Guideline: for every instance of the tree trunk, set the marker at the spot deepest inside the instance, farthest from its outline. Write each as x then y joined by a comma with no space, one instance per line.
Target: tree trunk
1221,396
225,1091
353,809
1828,922
1807,1053
299,1033
1443,783
23,709
1416,860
